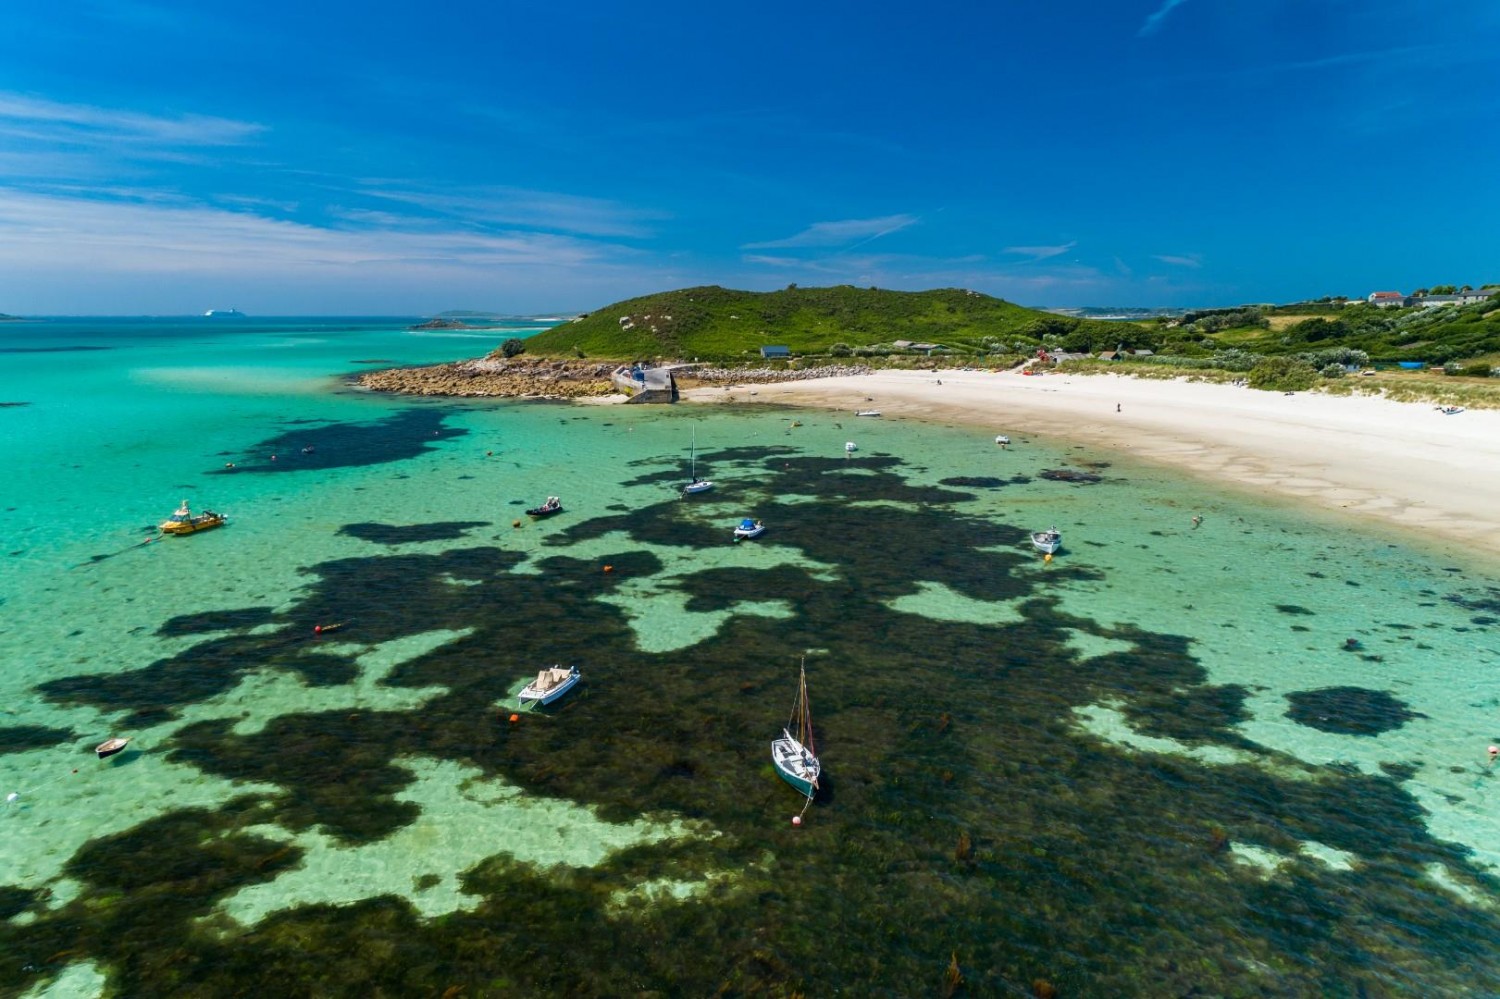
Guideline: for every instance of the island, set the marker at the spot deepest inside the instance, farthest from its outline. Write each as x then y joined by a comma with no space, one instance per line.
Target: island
1432,348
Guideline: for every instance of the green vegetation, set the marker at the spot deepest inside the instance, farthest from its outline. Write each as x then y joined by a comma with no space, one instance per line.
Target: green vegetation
513,347
1283,374
713,323
1310,343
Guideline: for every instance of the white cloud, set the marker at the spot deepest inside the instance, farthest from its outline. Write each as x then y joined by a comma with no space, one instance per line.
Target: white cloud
82,124
1154,21
770,261
516,206
60,233
1041,252
1180,260
841,233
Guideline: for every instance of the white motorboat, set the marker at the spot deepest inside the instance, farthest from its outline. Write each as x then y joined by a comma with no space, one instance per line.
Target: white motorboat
1002,440
549,685
850,446
1047,541
867,412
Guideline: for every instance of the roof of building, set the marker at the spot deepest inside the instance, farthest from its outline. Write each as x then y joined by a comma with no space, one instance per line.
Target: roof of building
1387,294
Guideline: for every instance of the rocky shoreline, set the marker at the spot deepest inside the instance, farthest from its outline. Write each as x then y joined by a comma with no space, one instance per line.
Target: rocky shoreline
559,378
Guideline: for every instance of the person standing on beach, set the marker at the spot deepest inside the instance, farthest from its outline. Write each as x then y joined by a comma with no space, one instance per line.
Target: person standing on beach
1117,407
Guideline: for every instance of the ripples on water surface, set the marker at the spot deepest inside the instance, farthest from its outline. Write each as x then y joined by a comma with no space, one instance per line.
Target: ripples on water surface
1155,766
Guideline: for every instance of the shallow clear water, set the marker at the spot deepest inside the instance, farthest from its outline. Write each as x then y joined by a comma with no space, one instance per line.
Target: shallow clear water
1154,764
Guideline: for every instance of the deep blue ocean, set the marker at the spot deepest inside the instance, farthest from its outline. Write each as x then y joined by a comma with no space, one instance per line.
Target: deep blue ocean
1244,758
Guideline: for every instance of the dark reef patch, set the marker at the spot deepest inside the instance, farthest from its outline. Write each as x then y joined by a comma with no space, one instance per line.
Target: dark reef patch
407,433
22,738
1070,475
1488,603
976,481
967,815
392,534
1349,710
15,900
206,621
13,405
1293,609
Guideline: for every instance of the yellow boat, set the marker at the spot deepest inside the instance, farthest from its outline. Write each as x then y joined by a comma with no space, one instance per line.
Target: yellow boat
183,521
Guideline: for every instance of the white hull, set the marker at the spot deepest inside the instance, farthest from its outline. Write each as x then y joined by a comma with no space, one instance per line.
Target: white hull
795,764
532,693
700,486
1046,542
746,533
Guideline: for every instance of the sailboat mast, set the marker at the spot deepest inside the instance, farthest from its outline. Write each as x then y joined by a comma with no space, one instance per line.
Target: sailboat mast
804,715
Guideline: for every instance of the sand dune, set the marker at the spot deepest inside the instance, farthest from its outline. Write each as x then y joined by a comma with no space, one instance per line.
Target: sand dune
1402,463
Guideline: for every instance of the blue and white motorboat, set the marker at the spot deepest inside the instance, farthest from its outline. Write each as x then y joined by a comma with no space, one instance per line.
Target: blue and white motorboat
749,529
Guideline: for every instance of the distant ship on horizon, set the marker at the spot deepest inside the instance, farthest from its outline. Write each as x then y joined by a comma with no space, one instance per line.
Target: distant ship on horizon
223,314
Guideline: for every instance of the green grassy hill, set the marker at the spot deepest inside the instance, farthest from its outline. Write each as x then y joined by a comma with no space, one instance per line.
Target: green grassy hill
723,324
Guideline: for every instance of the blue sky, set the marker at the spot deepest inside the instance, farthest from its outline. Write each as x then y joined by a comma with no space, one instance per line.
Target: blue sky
395,158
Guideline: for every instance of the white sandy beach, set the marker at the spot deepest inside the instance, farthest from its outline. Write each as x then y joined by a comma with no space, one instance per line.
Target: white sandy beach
1402,463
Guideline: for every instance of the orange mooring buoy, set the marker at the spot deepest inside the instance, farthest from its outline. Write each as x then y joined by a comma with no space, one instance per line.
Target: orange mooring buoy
514,719
609,568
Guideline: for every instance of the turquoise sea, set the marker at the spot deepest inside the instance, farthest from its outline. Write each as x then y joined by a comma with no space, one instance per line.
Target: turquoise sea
1246,758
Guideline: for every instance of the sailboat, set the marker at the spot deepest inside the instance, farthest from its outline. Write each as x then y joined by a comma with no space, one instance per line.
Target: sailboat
793,755
697,485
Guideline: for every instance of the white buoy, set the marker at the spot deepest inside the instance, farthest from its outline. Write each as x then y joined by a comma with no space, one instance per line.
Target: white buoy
796,820
12,796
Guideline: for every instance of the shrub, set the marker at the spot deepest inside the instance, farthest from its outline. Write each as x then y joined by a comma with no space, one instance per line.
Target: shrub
512,347
1283,374
1333,371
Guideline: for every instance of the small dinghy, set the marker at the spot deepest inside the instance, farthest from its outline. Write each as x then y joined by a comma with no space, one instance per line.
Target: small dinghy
850,446
1002,440
867,412
547,509
110,747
